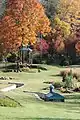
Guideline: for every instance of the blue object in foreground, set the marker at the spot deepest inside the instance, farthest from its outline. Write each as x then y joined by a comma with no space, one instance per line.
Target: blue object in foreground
50,96
54,97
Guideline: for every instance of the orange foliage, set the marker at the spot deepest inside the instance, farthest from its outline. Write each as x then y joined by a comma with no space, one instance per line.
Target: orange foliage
59,45
22,21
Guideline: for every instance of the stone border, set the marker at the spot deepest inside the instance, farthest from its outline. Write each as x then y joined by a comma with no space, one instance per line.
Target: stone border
12,87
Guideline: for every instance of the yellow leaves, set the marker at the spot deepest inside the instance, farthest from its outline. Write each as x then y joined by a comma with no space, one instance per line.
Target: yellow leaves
25,41
63,26
68,9
57,21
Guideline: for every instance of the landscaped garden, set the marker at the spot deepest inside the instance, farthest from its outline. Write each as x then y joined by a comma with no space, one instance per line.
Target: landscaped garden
39,59
26,105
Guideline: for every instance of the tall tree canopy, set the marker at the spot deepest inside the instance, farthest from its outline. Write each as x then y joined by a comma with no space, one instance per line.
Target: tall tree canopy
65,16
22,21
50,7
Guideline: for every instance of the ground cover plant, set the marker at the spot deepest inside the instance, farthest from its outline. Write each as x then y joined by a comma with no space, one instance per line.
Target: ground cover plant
33,108
8,102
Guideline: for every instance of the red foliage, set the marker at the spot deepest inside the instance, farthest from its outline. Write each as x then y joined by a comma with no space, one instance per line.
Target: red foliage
42,46
55,40
59,45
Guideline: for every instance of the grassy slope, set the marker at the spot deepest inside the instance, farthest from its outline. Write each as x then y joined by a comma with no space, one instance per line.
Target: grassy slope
34,109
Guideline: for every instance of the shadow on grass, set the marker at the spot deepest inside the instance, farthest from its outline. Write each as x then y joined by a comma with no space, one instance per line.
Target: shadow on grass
12,66
55,75
72,99
44,119
47,82
73,102
72,96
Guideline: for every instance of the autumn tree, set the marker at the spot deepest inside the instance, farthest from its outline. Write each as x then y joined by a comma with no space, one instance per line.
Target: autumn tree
70,13
68,10
73,44
66,24
58,35
22,21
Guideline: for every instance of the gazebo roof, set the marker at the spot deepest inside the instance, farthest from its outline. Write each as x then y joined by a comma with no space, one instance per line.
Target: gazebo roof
25,49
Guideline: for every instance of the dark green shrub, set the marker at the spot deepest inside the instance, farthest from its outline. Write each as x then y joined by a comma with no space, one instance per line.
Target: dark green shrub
11,66
14,66
66,63
11,57
7,70
36,58
65,60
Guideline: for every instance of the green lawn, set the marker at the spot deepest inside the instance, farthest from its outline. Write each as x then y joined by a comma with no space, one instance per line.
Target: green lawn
32,108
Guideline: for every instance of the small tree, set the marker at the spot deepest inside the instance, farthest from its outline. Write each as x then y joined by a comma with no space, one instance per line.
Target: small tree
68,79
